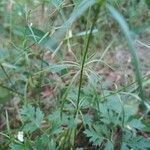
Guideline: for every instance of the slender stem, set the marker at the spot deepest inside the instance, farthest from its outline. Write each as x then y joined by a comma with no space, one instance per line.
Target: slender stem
83,63
84,58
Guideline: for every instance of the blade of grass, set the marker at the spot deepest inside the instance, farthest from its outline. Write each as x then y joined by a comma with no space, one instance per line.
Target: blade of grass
54,41
125,29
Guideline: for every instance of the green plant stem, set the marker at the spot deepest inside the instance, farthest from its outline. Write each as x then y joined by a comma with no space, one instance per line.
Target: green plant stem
84,58
83,63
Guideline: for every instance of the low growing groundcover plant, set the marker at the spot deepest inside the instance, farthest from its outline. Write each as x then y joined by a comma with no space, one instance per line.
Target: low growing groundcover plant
74,75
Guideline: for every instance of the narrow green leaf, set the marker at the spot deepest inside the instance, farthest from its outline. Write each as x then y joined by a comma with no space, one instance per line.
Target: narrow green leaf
53,42
123,24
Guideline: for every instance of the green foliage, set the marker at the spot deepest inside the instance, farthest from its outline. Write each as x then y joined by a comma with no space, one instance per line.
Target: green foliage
113,113
32,117
44,142
97,135
54,67
131,141
148,3
18,147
